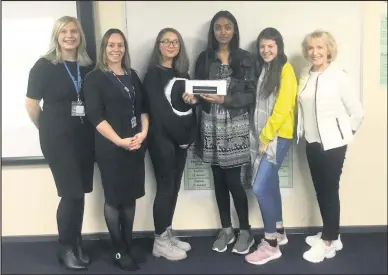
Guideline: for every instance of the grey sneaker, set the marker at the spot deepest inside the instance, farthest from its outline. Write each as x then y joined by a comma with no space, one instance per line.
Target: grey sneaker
163,247
175,241
225,237
244,242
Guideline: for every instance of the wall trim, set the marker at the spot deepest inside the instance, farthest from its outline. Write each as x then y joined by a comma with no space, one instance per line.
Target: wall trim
198,233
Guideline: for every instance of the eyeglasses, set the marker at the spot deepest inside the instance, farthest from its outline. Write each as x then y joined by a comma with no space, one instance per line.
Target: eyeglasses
167,43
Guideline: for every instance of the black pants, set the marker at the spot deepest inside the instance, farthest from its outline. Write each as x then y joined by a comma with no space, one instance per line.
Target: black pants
169,162
326,170
225,181
70,215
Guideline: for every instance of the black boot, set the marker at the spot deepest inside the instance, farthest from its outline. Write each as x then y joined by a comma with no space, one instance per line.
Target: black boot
126,262
67,257
83,256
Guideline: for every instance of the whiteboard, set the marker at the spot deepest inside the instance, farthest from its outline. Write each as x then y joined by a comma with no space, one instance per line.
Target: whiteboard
26,30
294,19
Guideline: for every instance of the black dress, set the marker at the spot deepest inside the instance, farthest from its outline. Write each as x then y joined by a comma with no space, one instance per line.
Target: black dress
122,171
67,143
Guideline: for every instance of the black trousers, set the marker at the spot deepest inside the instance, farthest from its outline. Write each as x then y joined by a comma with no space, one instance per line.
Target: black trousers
225,181
326,170
169,162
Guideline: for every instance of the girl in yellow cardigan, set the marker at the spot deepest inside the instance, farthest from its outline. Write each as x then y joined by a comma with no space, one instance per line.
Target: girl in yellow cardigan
271,137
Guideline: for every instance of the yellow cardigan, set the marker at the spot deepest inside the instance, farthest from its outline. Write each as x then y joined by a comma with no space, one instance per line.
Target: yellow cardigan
283,115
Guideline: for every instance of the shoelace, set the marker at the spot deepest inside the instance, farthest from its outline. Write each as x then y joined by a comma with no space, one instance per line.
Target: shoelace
169,243
172,238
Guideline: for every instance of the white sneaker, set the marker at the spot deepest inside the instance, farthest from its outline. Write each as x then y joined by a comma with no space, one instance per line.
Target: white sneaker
311,240
319,251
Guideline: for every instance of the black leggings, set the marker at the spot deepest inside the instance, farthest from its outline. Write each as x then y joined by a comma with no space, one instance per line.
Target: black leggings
70,215
169,162
225,181
119,220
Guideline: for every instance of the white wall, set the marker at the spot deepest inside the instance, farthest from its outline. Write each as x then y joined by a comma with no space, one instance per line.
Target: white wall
29,198
297,19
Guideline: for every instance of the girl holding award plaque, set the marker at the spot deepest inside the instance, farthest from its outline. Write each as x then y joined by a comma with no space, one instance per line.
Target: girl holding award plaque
223,136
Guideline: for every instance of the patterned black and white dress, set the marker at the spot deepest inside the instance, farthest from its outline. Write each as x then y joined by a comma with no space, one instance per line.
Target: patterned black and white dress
225,140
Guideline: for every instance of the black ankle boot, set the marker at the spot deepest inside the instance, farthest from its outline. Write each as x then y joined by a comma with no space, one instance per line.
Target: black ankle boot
67,257
83,256
126,262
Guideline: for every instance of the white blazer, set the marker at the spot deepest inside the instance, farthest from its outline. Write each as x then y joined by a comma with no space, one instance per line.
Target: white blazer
338,108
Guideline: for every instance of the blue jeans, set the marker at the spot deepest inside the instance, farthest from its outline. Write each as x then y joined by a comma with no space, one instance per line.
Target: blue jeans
266,187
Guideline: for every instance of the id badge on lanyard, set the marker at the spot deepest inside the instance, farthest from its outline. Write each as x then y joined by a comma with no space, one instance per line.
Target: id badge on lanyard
132,98
77,107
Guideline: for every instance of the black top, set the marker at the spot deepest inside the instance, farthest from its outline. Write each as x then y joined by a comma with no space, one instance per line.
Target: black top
106,99
52,83
163,120
46,76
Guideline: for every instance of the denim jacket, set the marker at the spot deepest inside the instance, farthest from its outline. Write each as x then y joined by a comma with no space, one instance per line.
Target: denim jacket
241,93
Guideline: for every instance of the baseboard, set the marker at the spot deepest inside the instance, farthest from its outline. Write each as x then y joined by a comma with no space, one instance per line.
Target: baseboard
198,233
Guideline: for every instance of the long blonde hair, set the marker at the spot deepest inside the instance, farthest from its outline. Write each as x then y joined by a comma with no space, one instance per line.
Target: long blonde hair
54,54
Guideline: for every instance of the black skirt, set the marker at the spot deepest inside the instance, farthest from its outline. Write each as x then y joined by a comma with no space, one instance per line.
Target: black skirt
122,172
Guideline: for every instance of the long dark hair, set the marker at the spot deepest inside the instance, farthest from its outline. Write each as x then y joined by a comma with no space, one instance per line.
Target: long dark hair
271,82
180,62
212,43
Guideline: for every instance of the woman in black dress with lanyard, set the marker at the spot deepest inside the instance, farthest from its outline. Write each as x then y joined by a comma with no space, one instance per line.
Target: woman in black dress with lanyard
115,106
66,136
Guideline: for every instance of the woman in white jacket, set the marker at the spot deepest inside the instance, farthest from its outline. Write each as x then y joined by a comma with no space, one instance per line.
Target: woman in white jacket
329,113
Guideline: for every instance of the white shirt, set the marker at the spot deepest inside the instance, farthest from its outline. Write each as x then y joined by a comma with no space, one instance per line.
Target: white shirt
338,107
307,101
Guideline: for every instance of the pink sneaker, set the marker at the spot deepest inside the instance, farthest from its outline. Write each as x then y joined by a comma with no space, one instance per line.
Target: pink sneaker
263,254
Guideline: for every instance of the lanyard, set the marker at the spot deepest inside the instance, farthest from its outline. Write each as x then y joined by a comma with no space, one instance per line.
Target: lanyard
131,95
77,83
